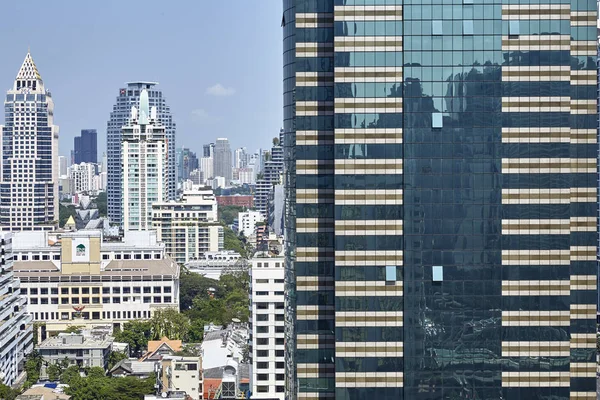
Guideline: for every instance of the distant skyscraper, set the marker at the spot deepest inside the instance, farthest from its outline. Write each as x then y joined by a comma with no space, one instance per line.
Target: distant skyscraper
186,163
29,183
85,149
62,165
222,160
240,159
208,150
441,177
127,98
144,156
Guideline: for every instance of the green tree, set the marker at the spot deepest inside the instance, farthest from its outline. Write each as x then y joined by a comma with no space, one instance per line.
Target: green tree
70,374
169,322
191,285
196,331
53,371
8,393
33,366
74,329
101,203
232,242
64,212
115,357
228,213
95,373
136,334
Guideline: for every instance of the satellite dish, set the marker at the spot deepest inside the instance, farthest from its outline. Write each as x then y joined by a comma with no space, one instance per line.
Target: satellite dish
235,320
163,395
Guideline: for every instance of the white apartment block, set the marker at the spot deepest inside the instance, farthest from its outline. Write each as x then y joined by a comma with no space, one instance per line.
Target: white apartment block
181,374
189,228
267,319
16,329
82,177
144,154
206,166
78,276
247,222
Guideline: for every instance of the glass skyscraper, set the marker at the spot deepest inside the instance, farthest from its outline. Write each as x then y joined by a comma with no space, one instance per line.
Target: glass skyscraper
130,97
441,199
85,147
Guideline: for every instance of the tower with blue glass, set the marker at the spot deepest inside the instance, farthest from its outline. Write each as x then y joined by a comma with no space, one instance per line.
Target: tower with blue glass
441,199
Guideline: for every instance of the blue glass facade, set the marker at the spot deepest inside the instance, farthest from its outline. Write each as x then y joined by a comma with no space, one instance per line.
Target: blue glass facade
442,217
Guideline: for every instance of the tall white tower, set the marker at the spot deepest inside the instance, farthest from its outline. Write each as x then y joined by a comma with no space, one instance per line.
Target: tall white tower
29,168
144,151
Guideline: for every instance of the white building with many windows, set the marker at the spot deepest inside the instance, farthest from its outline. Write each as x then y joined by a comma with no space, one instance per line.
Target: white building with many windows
247,221
189,228
82,177
16,329
78,279
144,154
267,337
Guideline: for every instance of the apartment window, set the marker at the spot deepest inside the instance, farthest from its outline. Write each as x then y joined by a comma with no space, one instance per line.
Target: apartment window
105,290
262,353
116,300
279,306
64,300
147,300
95,290
157,299
157,289
262,365
262,281
127,256
262,306
116,290
279,365
74,290
54,300
137,256
137,290
105,256
33,300
105,300
262,389
278,293
147,290
279,377
279,353
33,291
85,290
64,290
262,329
262,341
167,299
279,317
53,290
126,290
279,341
262,293
279,280
279,389
279,329
95,300
85,300
262,317
167,289
75,300
262,377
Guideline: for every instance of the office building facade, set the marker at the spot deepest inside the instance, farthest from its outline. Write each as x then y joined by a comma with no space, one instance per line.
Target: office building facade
144,155
222,165
85,147
129,97
441,199
29,174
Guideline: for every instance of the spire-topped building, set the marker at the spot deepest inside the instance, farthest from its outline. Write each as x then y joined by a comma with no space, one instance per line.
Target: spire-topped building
144,152
29,174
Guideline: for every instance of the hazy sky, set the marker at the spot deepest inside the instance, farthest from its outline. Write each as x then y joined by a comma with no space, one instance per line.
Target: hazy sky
217,62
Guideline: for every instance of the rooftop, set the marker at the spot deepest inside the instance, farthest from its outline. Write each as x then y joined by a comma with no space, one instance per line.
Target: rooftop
74,341
165,266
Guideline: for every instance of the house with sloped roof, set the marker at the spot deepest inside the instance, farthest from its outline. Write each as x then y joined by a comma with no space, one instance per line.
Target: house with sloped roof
159,348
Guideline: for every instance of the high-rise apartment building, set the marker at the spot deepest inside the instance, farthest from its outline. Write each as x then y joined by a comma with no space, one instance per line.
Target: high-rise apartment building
208,150
144,155
267,335
240,158
186,163
129,97
85,147
62,166
441,199
16,330
271,176
29,173
222,159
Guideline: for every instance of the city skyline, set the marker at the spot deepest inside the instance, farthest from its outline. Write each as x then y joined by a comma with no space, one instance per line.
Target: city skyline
208,99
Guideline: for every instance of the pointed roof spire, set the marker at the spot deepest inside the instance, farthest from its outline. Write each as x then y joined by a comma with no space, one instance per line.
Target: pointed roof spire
144,108
28,70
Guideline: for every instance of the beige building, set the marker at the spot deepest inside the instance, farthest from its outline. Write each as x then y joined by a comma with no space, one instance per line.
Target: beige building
78,279
189,228
181,374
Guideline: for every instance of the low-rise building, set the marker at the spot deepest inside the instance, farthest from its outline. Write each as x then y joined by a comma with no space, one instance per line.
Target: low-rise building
214,264
78,279
16,330
157,349
246,201
181,374
77,349
267,321
190,227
